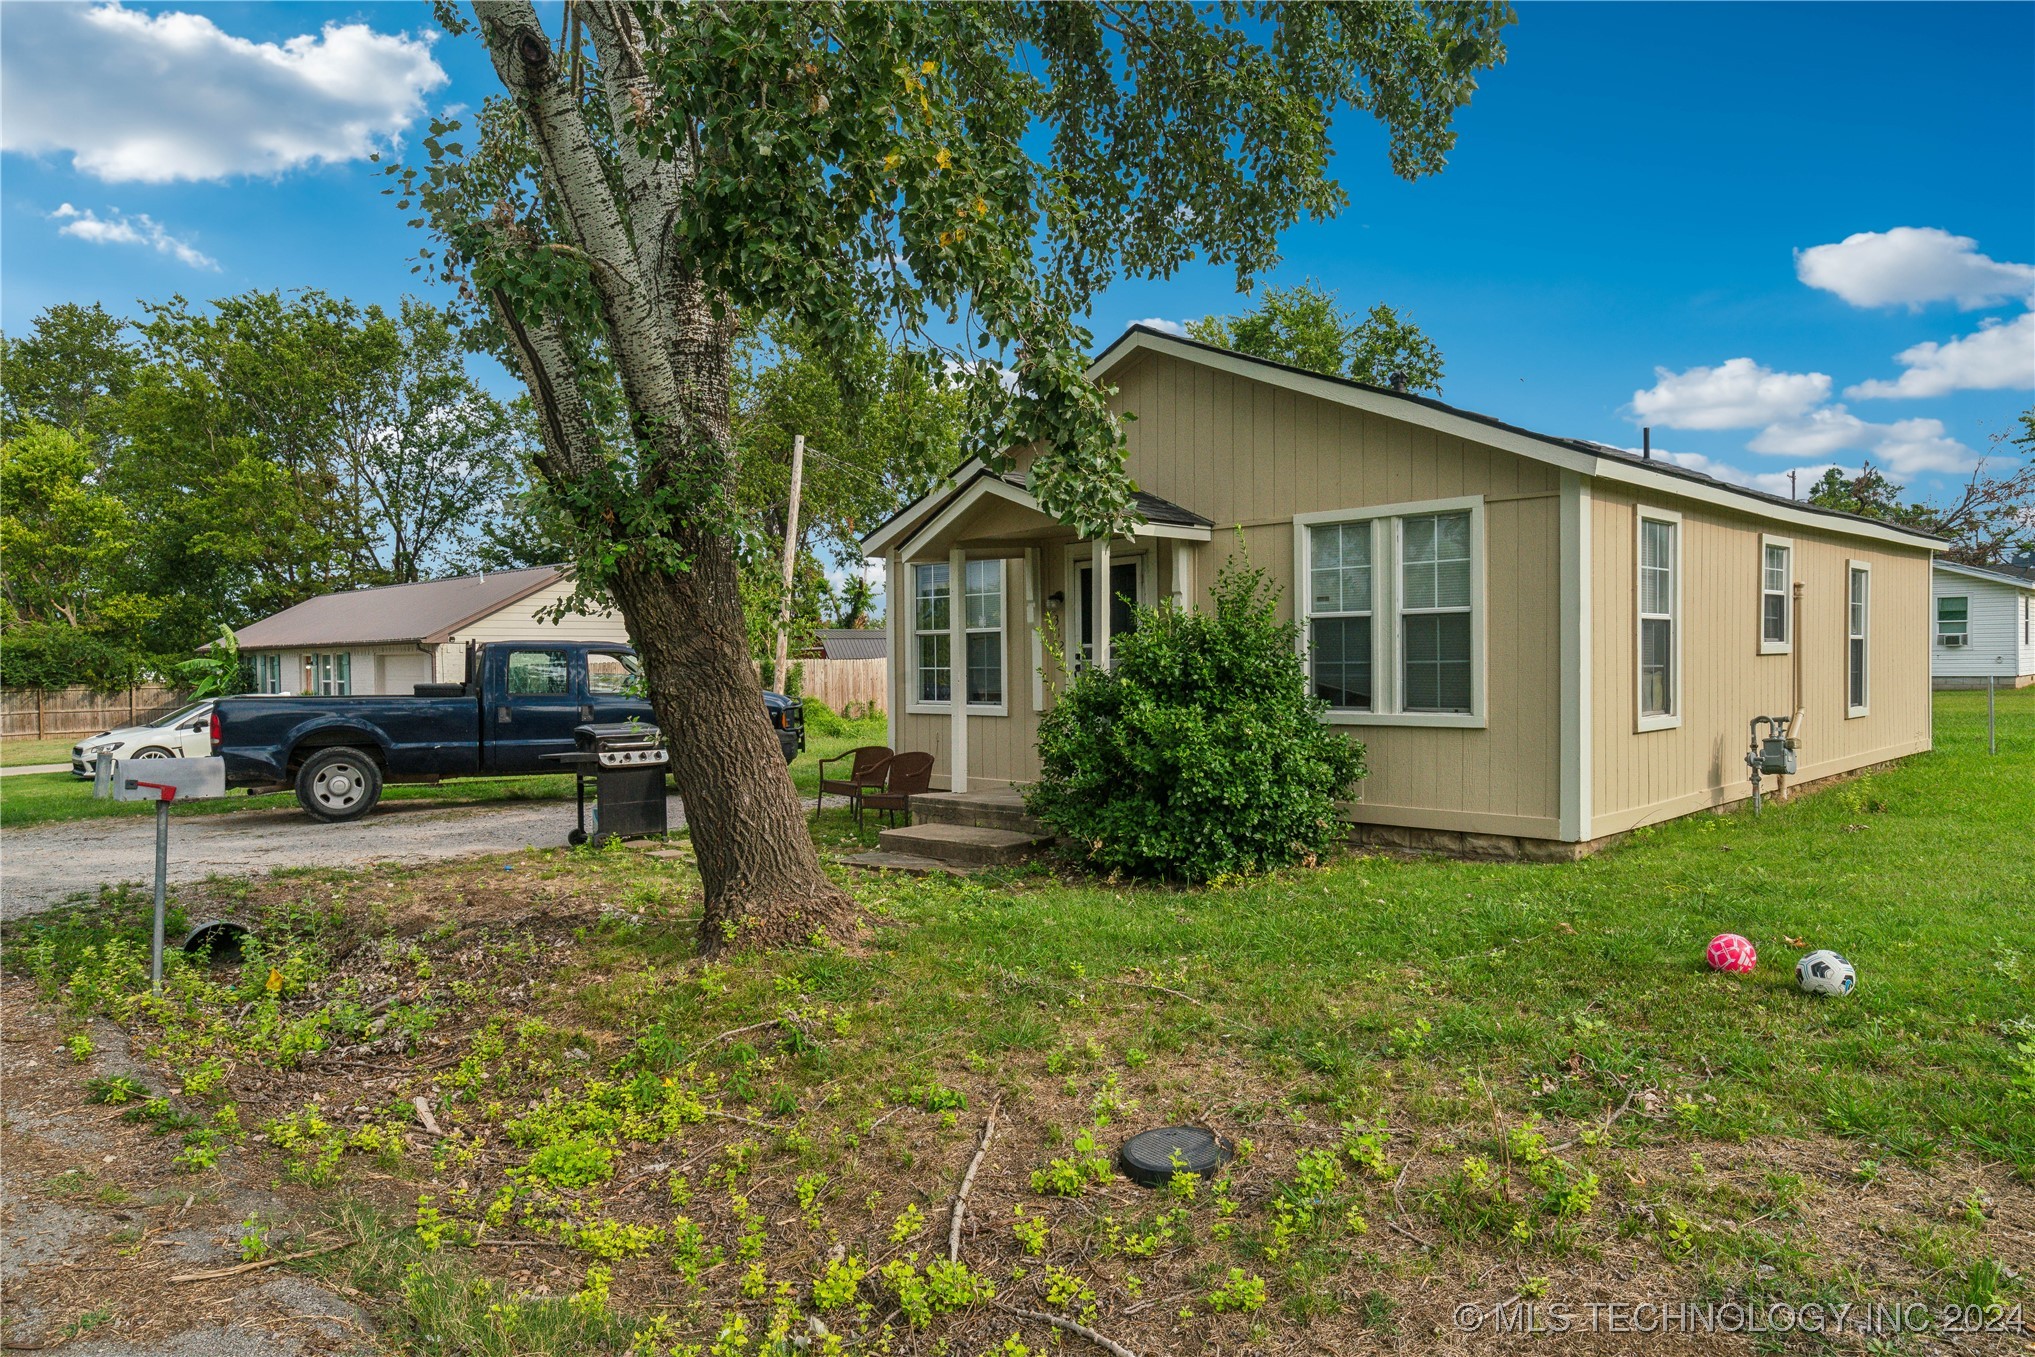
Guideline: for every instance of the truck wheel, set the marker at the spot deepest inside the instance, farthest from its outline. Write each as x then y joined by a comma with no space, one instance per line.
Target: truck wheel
338,784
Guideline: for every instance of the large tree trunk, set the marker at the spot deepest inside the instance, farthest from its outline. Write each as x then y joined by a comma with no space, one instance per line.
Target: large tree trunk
764,885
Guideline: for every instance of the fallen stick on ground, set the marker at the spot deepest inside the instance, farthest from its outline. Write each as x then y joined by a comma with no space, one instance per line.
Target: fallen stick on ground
424,1115
1401,1204
1103,1341
1623,1108
266,1262
714,1041
960,1208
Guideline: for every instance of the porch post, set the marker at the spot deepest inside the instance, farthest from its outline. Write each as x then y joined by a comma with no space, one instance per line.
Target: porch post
1183,564
1035,589
1098,606
957,670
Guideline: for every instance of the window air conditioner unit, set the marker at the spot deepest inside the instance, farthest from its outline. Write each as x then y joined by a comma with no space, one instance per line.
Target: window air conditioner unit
1954,642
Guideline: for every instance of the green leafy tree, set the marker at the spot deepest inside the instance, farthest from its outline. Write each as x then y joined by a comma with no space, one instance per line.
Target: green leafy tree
1988,520
857,599
73,371
64,538
1200,752
665,171
1302,326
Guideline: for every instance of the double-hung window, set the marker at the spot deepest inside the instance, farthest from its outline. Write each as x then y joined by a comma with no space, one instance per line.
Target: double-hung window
1953,621
1660,606
268,673
1776,578
1391,622
982,659
1339,621
982,614
932,635
1858,614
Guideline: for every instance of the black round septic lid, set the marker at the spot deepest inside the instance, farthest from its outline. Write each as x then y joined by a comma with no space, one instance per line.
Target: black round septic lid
1151,1158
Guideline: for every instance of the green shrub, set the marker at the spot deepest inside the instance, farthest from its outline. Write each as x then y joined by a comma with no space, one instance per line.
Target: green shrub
1200,753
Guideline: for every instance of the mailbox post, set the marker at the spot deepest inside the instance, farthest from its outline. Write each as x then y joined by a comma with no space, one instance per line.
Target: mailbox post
163,781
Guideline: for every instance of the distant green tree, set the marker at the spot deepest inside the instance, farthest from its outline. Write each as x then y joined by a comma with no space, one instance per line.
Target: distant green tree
1303,327
73,371
1989,520
856,600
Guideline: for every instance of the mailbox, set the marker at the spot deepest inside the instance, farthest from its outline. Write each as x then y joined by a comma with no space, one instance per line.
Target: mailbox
169,780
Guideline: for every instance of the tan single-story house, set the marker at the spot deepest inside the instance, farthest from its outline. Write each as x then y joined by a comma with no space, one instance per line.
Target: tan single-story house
1543,642
389,640
1985,625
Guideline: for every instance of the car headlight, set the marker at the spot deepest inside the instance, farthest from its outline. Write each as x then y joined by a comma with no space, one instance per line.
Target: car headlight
109,746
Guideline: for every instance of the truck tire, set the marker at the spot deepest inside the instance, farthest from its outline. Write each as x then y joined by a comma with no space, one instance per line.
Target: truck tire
338,784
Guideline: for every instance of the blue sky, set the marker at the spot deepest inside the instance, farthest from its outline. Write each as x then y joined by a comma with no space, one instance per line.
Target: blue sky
1784,235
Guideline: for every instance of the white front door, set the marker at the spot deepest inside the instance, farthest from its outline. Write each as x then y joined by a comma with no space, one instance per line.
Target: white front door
1129,582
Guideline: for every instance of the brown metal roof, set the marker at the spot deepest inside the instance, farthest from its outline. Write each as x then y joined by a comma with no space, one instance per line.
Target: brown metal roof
428,612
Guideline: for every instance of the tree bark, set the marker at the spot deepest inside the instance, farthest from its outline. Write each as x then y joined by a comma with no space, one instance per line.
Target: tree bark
763,882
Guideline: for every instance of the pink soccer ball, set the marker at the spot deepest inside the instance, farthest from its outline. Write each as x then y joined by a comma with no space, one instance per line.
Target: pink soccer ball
1730,952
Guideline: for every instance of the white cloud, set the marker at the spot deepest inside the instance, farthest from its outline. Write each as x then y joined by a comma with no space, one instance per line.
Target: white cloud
1736,394
1905,448
1772,482
1912,265
1163,326
170,96
117,228
1999,355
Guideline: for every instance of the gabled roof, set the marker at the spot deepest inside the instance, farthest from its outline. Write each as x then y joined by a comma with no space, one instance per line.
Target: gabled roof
428,612
2013,576
1572,454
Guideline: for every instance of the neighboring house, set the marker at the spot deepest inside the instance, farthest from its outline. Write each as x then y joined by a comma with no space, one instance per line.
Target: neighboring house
1542,642
391,639
1984,625
849,643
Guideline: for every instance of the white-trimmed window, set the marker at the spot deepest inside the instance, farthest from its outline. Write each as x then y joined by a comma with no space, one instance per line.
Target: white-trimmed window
2028,621
932,636
1660,608
983,662
1857,656
982,616
1392,616
329,673
1776,580
268,673
1953,621
1339,650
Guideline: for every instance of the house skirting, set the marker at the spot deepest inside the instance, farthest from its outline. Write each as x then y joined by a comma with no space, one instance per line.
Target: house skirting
1947,682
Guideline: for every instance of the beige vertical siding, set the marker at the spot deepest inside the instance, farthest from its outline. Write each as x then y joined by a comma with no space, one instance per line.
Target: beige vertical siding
1000,748
1255,455
519,621
1646,776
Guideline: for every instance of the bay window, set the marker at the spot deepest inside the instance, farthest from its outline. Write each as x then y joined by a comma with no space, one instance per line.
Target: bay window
1391,622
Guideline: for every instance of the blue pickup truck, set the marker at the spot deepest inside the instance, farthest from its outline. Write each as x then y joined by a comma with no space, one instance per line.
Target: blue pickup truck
521,700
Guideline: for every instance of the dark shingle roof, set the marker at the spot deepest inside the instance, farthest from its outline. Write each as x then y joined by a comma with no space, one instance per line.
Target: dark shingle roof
429,611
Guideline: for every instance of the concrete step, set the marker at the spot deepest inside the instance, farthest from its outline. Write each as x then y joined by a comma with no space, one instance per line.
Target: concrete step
997,808
966,845
879,860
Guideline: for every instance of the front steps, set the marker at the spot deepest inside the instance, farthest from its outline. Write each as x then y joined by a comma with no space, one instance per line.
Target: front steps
960,833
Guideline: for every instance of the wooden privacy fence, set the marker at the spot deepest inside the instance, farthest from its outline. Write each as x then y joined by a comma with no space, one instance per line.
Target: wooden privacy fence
842,684
50,713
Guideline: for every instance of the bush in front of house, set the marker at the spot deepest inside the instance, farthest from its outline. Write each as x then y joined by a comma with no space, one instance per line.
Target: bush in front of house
1200,753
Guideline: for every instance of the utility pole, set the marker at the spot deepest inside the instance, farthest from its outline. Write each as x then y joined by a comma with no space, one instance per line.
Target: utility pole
1791,486
798,469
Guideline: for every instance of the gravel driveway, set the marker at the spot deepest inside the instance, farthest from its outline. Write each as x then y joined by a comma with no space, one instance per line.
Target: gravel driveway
39,866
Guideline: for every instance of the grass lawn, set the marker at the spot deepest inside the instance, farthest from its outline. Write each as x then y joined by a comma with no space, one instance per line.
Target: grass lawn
41,798
14,752
1449,1084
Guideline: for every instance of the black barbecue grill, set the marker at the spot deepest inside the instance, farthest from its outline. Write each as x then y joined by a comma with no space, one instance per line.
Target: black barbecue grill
625,760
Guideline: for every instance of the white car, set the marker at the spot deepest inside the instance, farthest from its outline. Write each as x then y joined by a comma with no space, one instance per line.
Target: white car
183,734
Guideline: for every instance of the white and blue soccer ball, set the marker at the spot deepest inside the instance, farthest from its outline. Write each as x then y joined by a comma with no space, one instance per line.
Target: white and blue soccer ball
1825,972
